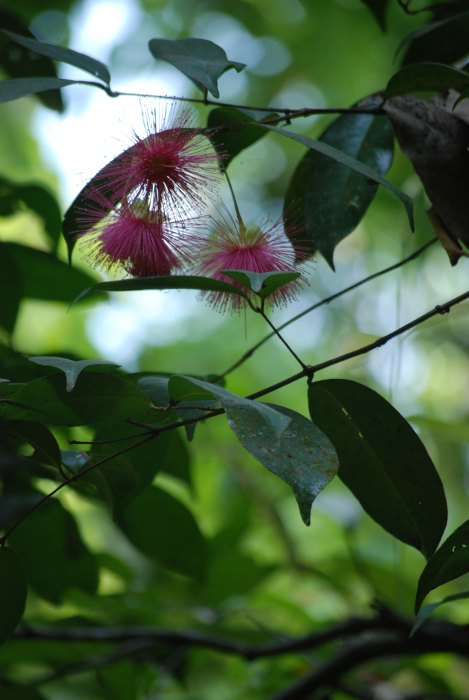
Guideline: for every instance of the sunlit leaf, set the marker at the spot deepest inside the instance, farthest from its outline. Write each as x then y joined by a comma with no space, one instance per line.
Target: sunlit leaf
202,61
449,562
60,53
71,368
326,199
382,461
12,592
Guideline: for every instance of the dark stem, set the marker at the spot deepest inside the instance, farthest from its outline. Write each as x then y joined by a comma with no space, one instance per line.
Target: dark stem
275,331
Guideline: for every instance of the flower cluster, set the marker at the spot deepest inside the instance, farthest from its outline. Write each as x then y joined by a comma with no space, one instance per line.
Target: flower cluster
146,209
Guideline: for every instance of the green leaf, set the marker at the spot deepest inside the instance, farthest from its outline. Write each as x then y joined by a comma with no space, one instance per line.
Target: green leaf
349,162
200,60
46,449
284,441
54,557
326,199
444,40
43,276
96,398
14,691
71,368
15,196
449,562
170,282
12,592
434,77
261,283
60,53
11,291
232,130
427,610
162,528
18,62
15,88
378,8
382,461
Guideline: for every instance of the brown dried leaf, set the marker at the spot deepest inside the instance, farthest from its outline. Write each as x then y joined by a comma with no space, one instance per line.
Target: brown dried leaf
436,140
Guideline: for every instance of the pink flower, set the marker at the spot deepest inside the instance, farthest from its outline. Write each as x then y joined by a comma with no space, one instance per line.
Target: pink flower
173,169
139,241
263,248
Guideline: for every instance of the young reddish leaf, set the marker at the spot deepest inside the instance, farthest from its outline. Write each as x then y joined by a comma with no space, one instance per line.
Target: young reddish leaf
382,461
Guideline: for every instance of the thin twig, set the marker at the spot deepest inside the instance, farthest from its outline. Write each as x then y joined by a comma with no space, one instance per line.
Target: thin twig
249,353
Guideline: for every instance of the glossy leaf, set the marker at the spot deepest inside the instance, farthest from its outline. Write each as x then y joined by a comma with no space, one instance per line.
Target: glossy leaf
46,448
382,461
232,130
326,200
444,40
15,196
163,282
284,441
350,162
427,77
53,554
427,610
96,398
71,368
43,276
14,88
60,53
449,562
12,592
162,528
261,283
202,61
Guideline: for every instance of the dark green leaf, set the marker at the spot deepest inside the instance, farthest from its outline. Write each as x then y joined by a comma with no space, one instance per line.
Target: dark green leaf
162,528
171,282
11,291
71,368
284,441
13,691
96,398
261,283
427,77
382,461
200,60
120,681
18,62
427,610
378,9
232,130
326,200
46,449
12,592
349,162
444,40
449,562
60,53
53,554
14,197
43,276
15,88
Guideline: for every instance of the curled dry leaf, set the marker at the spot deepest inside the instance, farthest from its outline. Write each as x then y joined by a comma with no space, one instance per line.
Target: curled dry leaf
436,139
